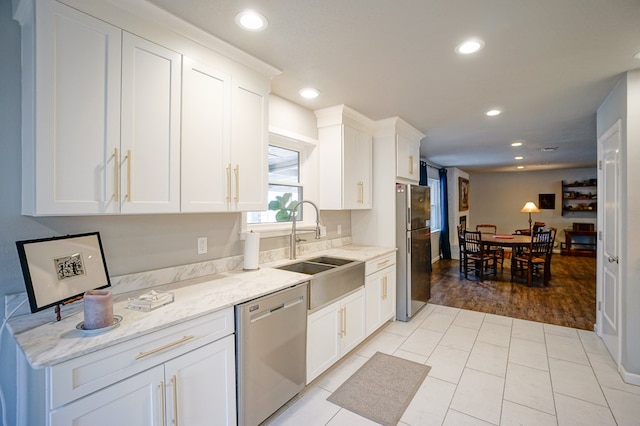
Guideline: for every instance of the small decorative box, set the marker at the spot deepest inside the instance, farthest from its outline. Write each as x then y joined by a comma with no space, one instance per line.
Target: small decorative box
149,301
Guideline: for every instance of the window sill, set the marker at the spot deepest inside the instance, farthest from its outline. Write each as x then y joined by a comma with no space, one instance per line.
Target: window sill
267,231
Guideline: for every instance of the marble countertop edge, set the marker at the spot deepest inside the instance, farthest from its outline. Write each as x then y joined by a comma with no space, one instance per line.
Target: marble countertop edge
47,342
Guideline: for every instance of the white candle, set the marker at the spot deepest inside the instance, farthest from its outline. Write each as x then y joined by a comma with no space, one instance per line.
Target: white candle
98,309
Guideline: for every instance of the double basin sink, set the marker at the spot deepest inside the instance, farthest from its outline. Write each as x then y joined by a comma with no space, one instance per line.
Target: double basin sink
330,278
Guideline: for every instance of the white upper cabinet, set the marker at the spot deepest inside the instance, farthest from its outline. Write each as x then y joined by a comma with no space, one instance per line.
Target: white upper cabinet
224,140
249,144
107,129
206,102
150,139
71,112
408,158
345,147
395,131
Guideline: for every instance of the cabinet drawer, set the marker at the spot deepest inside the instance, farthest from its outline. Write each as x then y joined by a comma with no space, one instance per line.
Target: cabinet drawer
80,376
379,263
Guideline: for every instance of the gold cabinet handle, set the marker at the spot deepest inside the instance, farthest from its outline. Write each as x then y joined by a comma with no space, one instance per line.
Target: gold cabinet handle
360,192
129,175
342,322
384,262
411,164
384,287
345,321
229,183
116,174
162,397
174,382
236,171
161,348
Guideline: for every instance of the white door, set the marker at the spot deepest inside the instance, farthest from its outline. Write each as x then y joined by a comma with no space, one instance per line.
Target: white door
353,318
137,400
206,118
609,302
407,157
249,145
374,293
201,386
323,339
77,82
150,142
356,169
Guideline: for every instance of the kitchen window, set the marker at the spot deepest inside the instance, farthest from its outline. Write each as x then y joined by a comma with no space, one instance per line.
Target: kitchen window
436,221
289,182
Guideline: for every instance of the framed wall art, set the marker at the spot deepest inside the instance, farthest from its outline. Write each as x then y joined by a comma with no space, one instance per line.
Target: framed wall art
59,269
547,201
463,194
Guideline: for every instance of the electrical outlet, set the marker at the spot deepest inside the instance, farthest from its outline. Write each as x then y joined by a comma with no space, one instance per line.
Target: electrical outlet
202,245
323,231
339,231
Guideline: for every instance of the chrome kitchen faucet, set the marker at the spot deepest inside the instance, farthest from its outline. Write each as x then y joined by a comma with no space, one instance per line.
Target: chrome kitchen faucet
294,238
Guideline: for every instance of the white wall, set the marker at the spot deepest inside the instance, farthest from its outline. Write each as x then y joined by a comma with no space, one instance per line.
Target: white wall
624,103
454,212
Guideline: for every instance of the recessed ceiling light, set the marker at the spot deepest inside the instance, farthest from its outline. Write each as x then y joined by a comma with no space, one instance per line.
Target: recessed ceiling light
637,55
251,20
469,46
516,143
519,157
520,167
549,149
309,93
493,112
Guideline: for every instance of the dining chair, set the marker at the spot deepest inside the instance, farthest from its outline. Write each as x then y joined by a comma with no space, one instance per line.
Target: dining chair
461,245
535,258
482,262
547,263
499,251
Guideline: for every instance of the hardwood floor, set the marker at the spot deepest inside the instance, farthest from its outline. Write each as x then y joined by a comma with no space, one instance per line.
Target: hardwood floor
569,299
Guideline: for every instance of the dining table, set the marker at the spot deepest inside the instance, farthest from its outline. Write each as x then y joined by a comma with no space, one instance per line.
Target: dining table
505,240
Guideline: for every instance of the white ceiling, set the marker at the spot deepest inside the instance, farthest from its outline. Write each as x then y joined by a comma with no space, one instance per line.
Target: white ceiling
547,63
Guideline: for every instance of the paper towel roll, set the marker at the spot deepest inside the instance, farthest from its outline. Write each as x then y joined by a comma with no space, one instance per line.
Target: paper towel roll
98,309
251,251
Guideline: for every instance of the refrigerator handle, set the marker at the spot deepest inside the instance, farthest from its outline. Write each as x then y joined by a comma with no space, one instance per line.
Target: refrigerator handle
409,244
408,218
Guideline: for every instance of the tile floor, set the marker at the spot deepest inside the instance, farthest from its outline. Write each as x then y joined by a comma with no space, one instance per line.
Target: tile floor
486,370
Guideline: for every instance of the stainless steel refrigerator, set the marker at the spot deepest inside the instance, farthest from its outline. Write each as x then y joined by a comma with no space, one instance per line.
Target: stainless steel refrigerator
413,240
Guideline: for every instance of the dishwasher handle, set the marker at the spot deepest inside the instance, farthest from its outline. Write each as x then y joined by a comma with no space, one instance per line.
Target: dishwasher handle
286,305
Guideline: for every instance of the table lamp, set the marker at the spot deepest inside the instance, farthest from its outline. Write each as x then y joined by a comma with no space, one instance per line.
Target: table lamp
530,207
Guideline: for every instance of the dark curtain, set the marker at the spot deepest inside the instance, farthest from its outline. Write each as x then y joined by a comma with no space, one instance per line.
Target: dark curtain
423,174
445,247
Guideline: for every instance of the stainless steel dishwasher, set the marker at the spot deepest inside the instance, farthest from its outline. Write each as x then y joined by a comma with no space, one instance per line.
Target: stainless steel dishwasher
271,340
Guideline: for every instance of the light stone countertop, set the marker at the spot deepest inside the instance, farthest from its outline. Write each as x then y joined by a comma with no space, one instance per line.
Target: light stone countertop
47,342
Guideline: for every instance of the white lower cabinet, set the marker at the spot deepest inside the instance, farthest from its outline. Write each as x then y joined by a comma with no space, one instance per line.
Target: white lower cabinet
182,375
137,400
333,331
380,288
197,388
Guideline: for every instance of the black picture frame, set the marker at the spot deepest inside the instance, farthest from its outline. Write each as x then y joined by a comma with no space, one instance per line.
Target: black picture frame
60,269
463,194
547,201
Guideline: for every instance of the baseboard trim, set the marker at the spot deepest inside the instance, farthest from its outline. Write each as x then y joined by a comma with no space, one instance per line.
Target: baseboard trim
631,378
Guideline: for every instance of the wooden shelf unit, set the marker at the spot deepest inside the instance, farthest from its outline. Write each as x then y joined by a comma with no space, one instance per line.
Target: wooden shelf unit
580,197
